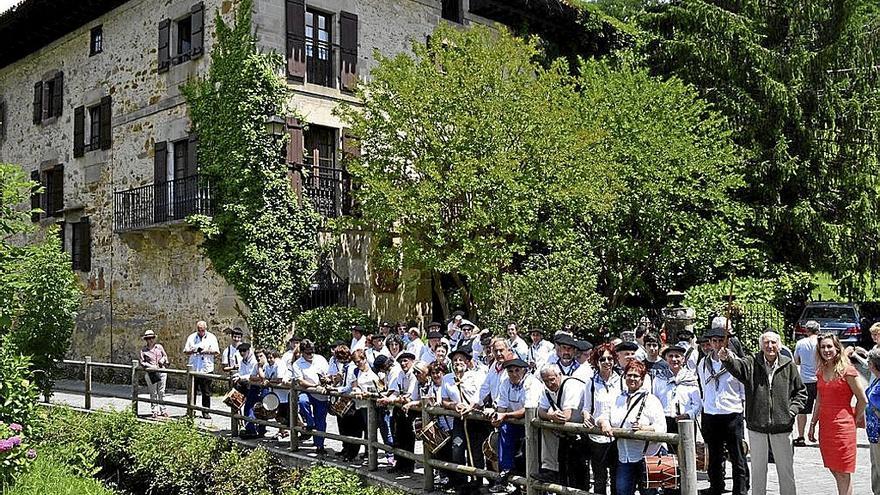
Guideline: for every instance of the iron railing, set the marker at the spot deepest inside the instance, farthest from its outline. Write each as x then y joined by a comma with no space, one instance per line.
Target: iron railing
319,63
160,203
326,185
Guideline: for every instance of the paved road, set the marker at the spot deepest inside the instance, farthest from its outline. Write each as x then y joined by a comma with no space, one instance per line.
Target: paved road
812,477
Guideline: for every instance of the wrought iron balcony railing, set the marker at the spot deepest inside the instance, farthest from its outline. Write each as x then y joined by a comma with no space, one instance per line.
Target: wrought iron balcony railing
327,185
161,203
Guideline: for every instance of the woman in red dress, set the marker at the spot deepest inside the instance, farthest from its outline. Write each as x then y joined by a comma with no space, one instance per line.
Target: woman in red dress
837,383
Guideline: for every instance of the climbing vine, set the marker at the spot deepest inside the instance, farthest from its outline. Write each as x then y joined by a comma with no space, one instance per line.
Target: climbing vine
261,239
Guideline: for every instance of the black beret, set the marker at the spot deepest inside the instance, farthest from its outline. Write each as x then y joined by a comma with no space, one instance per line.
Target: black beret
516,362
406,355
380,362
673,348
435,335
244,346
536,330
465,349
626,346
565,339
434,324
583,345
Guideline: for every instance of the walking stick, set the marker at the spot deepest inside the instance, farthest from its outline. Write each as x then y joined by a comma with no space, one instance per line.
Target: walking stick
729,311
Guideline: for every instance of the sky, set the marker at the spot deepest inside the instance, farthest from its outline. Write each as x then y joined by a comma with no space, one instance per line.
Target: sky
5,4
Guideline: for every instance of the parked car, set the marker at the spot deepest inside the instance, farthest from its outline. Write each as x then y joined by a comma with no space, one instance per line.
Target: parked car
843,319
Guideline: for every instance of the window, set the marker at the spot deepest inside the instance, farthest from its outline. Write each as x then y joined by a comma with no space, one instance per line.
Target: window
48,98
453,11
323,179
94,141
184,39
181,156
48,101
81,245
319,49
96,45
54,191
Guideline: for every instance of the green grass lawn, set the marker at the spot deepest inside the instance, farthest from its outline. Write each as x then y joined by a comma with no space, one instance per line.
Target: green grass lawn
47,476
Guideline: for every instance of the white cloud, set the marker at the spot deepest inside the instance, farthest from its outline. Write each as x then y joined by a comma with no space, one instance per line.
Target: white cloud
5,4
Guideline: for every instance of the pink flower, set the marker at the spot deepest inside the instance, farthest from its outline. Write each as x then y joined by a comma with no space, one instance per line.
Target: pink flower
15,427
31,454
15,441
5,445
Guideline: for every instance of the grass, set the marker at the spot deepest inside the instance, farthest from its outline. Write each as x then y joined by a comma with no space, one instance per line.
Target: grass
48,476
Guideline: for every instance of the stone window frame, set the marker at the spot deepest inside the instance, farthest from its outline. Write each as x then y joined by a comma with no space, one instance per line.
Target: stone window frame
96,40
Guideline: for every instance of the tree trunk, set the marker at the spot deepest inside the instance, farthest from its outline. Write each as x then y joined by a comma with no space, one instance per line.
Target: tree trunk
437,279
465,296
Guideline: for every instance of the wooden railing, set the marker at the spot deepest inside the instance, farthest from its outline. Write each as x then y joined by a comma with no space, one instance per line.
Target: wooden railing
685,440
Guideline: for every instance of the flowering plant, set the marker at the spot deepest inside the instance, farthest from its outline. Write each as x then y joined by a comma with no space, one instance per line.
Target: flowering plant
15,455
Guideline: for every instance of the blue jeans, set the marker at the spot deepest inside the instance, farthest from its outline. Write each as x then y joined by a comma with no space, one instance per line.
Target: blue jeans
509,438
314,411
254,395
385,425
629,474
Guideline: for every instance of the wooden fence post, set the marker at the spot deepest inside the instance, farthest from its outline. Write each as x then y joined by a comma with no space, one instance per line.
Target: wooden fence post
134,387
372,426
533,448
293,420
190,391
233,421
687,456
87,377
428,482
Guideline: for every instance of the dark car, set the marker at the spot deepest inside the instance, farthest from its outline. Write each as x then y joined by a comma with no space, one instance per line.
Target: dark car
842,319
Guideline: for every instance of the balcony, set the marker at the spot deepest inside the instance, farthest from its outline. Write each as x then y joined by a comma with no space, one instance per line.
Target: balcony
327,185
160,204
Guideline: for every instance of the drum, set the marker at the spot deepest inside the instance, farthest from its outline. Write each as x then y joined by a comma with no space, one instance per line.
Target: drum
342,406
234,399
260,412
271,402
490,449
702,457
433,437
661,471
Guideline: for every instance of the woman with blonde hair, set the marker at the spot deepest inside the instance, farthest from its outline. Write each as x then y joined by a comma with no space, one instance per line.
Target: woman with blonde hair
837,383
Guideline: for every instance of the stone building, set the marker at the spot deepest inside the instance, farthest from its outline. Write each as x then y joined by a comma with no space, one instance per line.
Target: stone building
90,107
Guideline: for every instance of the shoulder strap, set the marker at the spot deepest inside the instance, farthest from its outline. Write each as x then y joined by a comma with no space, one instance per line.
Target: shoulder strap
639,400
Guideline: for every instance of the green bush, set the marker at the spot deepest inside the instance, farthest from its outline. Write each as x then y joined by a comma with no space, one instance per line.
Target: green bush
18,393
113,436
244,472
324,325
65,436
52,476
322,480
15,453
175,458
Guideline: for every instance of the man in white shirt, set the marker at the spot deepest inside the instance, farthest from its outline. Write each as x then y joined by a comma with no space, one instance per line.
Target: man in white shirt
584,371
401,391
723,427
495,374
516,343
460,392
539,351
250,378
307,372
415,344
566,349
201,347
434,339
376,348
230,357
453,330
519,391
560,402
358,340
805,358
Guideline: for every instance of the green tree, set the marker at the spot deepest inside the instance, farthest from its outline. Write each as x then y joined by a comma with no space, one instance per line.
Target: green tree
797,80
678,220
473,155
261,238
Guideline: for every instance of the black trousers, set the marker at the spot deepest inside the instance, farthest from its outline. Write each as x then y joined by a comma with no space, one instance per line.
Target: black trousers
404,438
203,386
603,460
350,426
477,432
722,431
574,467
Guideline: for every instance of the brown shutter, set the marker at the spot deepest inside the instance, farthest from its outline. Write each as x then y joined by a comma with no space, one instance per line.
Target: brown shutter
295,155
160,174
106,125
3,120
192,158
38,102
295,12
58,95
79,131
164,45
198,30
348,48
82,237
35,196
351,150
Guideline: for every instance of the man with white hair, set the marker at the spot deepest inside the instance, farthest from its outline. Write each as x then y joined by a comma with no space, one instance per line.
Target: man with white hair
775,395
560,402
201,347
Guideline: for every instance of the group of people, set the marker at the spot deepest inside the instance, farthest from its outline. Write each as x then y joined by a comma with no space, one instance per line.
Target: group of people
637,382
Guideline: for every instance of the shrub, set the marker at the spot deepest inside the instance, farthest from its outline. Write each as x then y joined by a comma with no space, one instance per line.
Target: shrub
174,458
244,473
65,436
324,325
17,390
52,476
15,453
321,480
112,435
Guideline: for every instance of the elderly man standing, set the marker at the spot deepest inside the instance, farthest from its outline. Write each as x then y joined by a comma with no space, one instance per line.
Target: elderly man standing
775,395
201,347
560,402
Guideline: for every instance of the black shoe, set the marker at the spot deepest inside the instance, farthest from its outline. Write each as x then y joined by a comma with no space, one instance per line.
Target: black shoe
799,442
248,435
545,476
206,415
321,451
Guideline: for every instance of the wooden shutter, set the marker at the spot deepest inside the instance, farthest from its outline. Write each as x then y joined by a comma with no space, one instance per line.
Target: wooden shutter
2,120
192,157
79,131
198,30
38,102
35,196
106,125
295,13
295,155
351,150
164,45
58,95
348,48
62,234
160,174
82,245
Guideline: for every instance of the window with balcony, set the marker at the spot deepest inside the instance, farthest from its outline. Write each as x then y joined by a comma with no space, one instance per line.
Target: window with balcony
319,49
324,179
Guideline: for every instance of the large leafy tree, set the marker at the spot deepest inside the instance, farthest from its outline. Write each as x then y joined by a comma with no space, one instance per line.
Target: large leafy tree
473,155
798,80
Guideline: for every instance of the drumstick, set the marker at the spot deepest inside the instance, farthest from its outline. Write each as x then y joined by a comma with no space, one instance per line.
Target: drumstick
729,309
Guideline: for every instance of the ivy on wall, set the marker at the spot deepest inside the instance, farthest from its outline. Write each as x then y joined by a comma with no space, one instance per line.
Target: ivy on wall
261,239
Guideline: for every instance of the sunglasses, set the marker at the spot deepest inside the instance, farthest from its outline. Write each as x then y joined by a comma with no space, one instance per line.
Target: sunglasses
633,377
606,359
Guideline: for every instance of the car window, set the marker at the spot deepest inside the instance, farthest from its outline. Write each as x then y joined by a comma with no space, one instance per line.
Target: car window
830,313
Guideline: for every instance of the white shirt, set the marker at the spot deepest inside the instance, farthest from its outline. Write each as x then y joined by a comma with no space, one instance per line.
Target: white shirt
278,370
230,357
495,375
373,353
598,394
569,396
583,372
356,344
415,347
539,353
203,363
311,371
364,381
629,450
427,356
526,394
405,385
519,346
467,391
722,393
679,394
248,367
